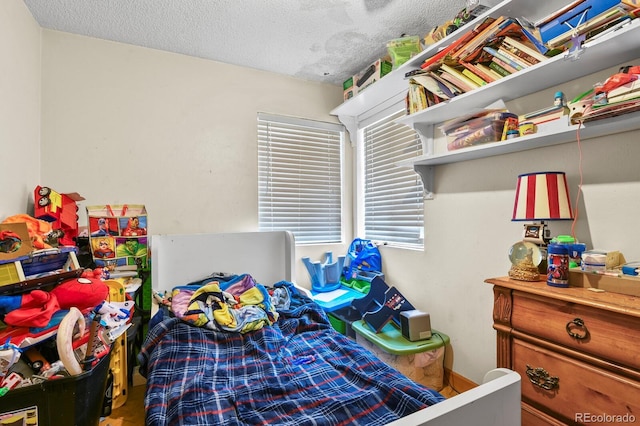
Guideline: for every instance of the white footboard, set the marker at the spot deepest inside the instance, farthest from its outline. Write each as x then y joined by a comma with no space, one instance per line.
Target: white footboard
496,402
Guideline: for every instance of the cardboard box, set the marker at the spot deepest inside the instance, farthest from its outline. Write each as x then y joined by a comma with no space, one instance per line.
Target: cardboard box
14,241
610,279
349,88
624,284
371,74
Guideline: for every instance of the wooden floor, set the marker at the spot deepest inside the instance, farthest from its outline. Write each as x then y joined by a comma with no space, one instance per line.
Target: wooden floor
132,412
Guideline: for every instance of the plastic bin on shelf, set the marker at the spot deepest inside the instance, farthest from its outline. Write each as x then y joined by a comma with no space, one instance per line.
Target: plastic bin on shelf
477,130
421,361
341,320
69,401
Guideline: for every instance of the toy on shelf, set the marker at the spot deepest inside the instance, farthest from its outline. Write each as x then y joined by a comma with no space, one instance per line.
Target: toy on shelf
324,276
559,110
59,209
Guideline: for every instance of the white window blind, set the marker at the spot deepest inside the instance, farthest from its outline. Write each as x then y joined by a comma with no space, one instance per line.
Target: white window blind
393,196
300,178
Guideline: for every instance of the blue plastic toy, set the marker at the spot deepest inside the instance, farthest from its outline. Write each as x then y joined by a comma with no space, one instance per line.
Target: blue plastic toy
324,276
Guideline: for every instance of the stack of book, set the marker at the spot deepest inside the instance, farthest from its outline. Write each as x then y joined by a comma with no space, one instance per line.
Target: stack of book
626,92
499,47
619,95
494,49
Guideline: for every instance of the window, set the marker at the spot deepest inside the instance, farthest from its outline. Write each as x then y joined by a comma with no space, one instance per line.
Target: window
392,200
300,178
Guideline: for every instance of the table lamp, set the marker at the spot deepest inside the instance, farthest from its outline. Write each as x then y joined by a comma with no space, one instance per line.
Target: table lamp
540,197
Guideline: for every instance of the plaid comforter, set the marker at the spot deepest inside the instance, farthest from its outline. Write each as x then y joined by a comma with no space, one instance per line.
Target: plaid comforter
297,372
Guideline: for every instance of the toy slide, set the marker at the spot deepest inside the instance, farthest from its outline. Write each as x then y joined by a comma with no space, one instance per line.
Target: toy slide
381,305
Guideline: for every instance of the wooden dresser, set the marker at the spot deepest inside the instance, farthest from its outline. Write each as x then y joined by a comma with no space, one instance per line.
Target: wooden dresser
578,351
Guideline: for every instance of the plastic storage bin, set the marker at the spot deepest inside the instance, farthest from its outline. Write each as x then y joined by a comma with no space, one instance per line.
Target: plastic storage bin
421,361
70,401
477,130
342,319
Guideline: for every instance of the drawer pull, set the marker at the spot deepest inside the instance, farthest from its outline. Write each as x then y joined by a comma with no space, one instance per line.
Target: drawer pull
540,377
578,323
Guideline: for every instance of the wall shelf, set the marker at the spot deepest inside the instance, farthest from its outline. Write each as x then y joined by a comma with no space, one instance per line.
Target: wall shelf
612,49
619,47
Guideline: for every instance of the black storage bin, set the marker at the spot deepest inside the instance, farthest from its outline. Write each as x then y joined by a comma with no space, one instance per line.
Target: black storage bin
70,401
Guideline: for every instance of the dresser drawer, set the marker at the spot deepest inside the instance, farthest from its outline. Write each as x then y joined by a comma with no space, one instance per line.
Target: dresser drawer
582,394
597,332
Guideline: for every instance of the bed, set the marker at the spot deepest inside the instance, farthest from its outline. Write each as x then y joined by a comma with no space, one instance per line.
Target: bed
294,369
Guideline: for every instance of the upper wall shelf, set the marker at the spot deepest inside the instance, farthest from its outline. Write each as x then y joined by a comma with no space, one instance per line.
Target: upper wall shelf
556,135
614,48
394,83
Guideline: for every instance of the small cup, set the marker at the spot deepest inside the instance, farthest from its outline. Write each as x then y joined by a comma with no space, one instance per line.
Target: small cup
527,128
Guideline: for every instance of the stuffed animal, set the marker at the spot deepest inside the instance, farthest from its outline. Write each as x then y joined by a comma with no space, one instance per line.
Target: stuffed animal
35,309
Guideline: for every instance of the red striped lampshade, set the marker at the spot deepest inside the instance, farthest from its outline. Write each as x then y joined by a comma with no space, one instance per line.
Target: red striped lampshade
542,196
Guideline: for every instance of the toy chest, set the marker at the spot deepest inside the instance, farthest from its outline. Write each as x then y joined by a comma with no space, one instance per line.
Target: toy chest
422,361
70,401
476,130
38,269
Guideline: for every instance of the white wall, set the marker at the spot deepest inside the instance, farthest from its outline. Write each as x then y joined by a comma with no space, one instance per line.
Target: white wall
128,124
125,124
468,228
19,107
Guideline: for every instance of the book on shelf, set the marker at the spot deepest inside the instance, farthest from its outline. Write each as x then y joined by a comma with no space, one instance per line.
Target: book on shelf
532,34
504,65
499,69
504,51
485,68
416,98
480,38
623,97
486,76
631,86
451,87
503,58
433,85
463,40
432,99
612,14
467,83
545,115
557,13
473,76
610,27
524,49
461,85
472,53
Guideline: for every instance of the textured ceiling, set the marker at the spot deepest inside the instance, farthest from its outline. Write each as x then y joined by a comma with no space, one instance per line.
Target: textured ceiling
317,40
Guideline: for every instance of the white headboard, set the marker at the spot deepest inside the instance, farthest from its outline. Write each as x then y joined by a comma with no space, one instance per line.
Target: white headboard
268,257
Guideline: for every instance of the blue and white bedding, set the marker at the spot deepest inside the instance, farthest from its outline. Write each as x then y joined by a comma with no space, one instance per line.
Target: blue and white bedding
297,371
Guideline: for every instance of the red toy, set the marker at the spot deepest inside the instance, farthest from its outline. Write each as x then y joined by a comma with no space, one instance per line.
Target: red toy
59,209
